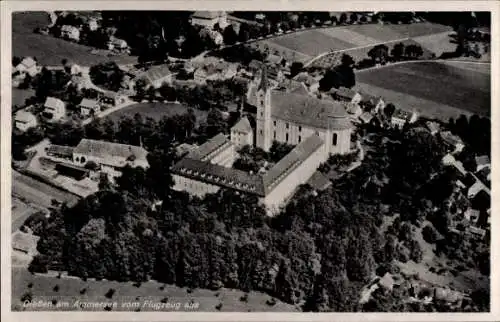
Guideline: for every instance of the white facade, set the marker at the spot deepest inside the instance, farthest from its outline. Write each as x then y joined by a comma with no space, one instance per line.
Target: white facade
92,24
280,193
28,66
25,120
193,187
55,107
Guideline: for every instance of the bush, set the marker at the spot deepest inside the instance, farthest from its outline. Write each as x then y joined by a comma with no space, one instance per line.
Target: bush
429,234
109,294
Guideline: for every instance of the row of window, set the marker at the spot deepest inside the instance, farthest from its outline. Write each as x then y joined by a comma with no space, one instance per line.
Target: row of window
288,126
334,137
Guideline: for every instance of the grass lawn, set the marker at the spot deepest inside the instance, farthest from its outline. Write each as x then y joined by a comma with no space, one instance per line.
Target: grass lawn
311,42
156,111
69,291
380,32
435,83
419,29
48,49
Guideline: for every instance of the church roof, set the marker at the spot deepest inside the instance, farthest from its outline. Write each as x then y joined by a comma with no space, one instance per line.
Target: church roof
308,110
300,89
291,161
243,125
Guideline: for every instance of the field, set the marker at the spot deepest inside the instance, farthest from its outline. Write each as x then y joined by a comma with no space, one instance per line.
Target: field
48,49
69,291
155,111
433,89
307,44
20,212
20,95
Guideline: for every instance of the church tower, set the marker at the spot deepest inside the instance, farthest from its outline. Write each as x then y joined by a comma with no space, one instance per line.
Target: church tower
264,138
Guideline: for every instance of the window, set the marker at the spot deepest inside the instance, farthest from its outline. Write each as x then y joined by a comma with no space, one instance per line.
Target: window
274,134
260,132
317,133
334,139
262,102
300,128
286,137
300,138
274,123
261,113
287,125
82,160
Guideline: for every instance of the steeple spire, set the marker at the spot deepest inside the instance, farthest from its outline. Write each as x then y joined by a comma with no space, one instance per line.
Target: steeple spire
264,82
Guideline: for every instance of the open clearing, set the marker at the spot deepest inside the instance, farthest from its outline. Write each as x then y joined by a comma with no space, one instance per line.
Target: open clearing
48,49
156,111
436,87
69,291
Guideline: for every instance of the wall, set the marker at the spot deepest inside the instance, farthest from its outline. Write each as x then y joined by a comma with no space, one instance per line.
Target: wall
241,139
300,175
193,187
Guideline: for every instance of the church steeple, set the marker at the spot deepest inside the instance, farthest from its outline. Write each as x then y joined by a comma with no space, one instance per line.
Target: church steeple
264,81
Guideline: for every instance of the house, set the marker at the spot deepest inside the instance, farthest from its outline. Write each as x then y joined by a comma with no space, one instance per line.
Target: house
433,127
59,151
354,110
307,79
28,66
209,19
450,160
112,99
89,107
447,295
220,71
183,149
401,117
24,120
54,109
70,32
482,162
366,117
117,44
242,133
476,231
156,76
74,69
111,157
387,282
476,188
347,95
92,24
255,66
275,73
452,140
472,215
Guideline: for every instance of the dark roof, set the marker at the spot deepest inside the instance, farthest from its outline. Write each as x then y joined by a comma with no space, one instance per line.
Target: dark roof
482,160
345,93
206,149
291,161
319,182
61,150
219,175
308,110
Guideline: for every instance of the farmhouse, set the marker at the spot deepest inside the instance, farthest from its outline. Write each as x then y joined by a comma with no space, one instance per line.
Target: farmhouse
24,120
472,215
242,133
28,66
70,32
452,140
400,118
209,19
89,107
112,99
54,109
308,80
157,75
111,157
60,151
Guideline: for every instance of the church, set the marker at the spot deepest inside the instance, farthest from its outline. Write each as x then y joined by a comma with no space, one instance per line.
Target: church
291,117
317,128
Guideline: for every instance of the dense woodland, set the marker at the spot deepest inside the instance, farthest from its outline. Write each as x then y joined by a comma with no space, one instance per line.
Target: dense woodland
317,253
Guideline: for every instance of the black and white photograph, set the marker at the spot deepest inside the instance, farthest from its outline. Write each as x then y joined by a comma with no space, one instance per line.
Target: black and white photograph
249,161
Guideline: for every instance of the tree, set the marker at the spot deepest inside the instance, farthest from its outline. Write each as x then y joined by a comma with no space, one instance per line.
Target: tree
353,17
389,109
343,18
140,88
398,51
16,61
230,36
429,234
379,53
296,68
244,33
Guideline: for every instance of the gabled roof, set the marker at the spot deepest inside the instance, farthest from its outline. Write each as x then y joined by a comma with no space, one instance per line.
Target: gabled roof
205,150
104,149
61,150
345,93
24,116
28,62
274,59
243,125
219,175
291,161
482,160
88,103
301,90
305,78
366,117
54,102
207,14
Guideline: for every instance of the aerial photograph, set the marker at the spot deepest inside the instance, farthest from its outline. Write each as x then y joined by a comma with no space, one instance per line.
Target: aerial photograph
251,161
